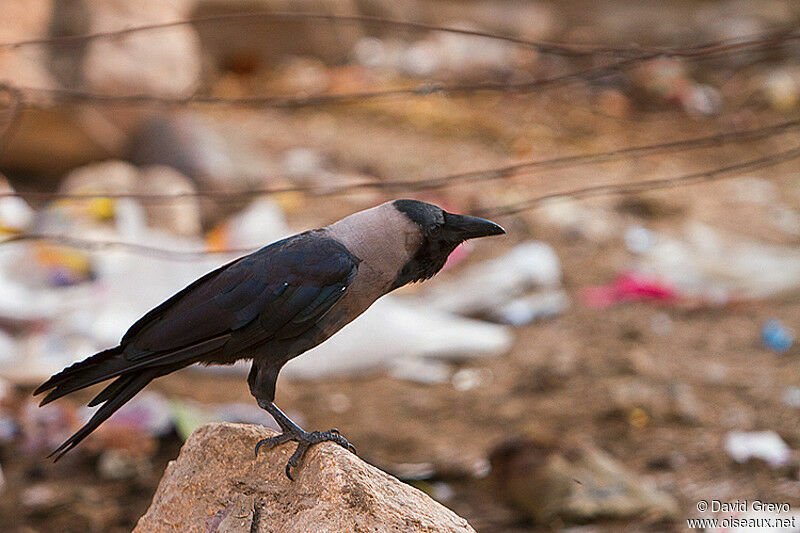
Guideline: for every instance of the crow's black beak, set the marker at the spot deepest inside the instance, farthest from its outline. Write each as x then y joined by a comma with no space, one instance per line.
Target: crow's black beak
465,227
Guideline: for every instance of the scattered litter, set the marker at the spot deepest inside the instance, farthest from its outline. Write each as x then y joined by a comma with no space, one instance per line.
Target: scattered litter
767,446
710,268
393,330
535,306
420,371
791,397
488,285
639,239
467,379
777,337
260,223
628,287
576,220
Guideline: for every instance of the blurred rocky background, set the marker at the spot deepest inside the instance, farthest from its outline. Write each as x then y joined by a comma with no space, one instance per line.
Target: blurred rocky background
625,352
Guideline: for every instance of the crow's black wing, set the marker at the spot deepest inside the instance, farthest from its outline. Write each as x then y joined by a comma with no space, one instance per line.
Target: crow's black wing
280,290
293,280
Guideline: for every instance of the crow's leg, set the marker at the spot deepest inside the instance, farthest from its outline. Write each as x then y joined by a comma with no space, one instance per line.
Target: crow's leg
292,431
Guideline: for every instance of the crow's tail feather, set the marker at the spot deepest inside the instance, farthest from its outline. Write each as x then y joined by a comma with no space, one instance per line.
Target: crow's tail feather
97,368
115,395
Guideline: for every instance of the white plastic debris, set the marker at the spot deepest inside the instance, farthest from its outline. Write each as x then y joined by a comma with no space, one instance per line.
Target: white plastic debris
639,239
303,163
259,224
765,445
419,370
578,220
791,397
718,268
15,213
535,306
392,331
467,379
491,284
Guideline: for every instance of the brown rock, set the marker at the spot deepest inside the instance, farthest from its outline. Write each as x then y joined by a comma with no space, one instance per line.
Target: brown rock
244,44
162,63
217,485
551,482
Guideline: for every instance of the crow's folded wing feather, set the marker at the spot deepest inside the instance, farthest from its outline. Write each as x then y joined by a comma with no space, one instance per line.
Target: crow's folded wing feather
278,292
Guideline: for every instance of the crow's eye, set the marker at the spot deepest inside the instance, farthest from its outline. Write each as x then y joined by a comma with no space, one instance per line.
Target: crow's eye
434,228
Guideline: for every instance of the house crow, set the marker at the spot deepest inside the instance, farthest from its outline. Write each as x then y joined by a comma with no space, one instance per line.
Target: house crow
271,306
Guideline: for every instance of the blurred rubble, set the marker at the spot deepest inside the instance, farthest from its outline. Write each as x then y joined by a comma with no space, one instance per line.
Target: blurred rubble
180,216
465,361
713,268
186,142
574,484
138,63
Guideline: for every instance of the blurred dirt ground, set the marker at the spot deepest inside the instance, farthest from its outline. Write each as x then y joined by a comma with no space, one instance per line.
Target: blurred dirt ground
557,382
561,379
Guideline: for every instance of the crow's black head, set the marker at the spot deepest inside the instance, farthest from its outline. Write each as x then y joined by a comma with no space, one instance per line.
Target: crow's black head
441,233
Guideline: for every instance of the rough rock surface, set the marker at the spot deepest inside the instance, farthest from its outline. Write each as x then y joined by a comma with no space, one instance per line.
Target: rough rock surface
216,485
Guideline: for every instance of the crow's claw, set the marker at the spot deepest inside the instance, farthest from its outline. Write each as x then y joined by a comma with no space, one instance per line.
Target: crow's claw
304,441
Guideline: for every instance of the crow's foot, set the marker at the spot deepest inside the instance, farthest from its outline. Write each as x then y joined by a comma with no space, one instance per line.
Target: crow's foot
304,439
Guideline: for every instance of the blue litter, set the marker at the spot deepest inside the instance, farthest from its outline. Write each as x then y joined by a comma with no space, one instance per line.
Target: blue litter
776,336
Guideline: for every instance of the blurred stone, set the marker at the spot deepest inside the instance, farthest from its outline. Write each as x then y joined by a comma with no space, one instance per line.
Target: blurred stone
162,63
180,216
116,464
259,223
638,397
217,485
576,220
303,164
188,143
781,88
48,142
264,42
15,213
301,76
549,482
684,405
23,20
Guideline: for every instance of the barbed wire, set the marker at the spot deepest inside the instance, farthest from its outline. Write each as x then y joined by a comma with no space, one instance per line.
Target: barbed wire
644,185
498,211
567,49
716,49
135,248
437,182
78,96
